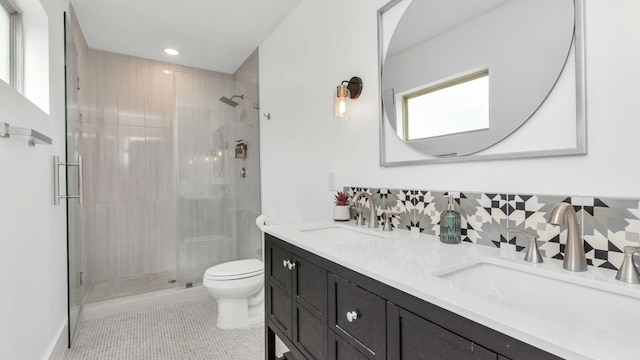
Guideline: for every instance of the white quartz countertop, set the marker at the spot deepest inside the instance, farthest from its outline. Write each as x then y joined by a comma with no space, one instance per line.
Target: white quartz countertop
412,263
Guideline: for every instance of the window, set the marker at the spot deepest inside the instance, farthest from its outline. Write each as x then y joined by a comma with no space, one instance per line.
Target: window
453,107
11,44
5,45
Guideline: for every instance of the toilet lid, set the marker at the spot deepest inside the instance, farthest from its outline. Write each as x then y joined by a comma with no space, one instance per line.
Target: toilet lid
238,269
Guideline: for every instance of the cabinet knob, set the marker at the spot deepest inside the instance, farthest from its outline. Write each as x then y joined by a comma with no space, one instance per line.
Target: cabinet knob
285,263
292,265
352,316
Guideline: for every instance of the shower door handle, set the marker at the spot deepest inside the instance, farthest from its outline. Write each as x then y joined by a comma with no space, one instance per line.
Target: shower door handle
56,180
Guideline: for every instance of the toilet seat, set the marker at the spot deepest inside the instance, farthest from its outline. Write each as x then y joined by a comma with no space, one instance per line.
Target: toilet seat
235,270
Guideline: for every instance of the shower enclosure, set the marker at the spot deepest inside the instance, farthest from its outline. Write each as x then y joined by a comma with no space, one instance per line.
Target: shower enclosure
165,195
218,193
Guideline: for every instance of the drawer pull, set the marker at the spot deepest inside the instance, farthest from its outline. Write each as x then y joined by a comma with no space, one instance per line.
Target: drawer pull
352,316
285,263
292,265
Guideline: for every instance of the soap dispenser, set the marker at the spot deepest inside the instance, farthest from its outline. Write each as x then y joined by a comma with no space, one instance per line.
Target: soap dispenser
450,224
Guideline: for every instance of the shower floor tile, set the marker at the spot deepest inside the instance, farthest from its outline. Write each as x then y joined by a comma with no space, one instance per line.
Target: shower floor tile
130,286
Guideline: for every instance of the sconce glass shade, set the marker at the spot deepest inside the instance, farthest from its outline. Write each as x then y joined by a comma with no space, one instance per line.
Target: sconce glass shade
341,103
345,92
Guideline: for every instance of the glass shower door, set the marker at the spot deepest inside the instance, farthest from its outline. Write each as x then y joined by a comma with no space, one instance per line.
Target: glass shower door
205,228
74,208
213,217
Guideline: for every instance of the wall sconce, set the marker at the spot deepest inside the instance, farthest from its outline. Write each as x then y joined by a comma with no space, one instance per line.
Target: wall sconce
346,91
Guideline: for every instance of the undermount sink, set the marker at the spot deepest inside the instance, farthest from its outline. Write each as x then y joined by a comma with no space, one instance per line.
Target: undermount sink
548,296
342,235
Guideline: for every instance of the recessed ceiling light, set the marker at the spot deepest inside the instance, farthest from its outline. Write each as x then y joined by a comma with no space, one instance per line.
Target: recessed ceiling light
171,51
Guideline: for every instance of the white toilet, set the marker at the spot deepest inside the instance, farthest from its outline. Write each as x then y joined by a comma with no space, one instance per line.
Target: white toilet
238,287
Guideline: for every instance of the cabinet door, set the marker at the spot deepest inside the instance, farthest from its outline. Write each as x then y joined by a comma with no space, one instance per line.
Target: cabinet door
309,334
358,314
309,287
278,307
339,349
278,273
411,337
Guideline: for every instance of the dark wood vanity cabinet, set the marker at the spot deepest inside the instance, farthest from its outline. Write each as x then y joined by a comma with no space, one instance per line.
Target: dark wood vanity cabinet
278,289
296,301
356,316
322,310
341,349
411,337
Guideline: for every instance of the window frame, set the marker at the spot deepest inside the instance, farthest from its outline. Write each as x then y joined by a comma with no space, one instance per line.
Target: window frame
16,43
432,89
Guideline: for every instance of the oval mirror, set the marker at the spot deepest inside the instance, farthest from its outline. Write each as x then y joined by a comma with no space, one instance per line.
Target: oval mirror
461,75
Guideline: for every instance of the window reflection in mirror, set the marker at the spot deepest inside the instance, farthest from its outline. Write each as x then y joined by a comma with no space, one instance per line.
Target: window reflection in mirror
455,106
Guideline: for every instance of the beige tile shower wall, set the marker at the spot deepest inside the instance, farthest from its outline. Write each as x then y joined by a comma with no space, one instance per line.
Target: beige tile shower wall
127,125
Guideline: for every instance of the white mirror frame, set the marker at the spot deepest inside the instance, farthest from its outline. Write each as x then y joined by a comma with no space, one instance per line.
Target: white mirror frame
578,146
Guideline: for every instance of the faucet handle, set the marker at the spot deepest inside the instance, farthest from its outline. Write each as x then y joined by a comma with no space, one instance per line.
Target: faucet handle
387,216
628,272
533,253
359,217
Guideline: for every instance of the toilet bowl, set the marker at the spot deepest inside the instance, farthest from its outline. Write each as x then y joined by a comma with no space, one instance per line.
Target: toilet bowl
238,287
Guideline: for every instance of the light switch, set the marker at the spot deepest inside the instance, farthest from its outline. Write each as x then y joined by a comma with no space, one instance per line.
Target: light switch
332,181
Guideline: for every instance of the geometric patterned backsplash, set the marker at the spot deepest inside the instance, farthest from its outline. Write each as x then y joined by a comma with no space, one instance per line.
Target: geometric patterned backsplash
606,224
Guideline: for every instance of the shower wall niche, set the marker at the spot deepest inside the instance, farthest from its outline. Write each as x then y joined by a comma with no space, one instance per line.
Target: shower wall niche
163,196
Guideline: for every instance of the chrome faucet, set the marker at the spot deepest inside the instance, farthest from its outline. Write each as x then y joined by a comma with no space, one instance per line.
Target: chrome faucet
386,217
574,258
373,219
628,272
533,253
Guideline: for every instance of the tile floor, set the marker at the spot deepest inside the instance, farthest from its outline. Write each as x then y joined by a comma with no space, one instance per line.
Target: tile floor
179,331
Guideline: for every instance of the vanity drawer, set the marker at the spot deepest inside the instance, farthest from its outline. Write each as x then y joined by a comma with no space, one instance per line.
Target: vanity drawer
309,287
412,337
358,314
277,271
309,334
278,308
339,349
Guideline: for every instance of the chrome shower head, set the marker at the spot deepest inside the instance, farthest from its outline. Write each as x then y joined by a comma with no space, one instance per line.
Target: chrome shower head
230,102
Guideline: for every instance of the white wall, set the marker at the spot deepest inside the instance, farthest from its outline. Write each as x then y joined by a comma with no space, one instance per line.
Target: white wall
324,42
33,305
